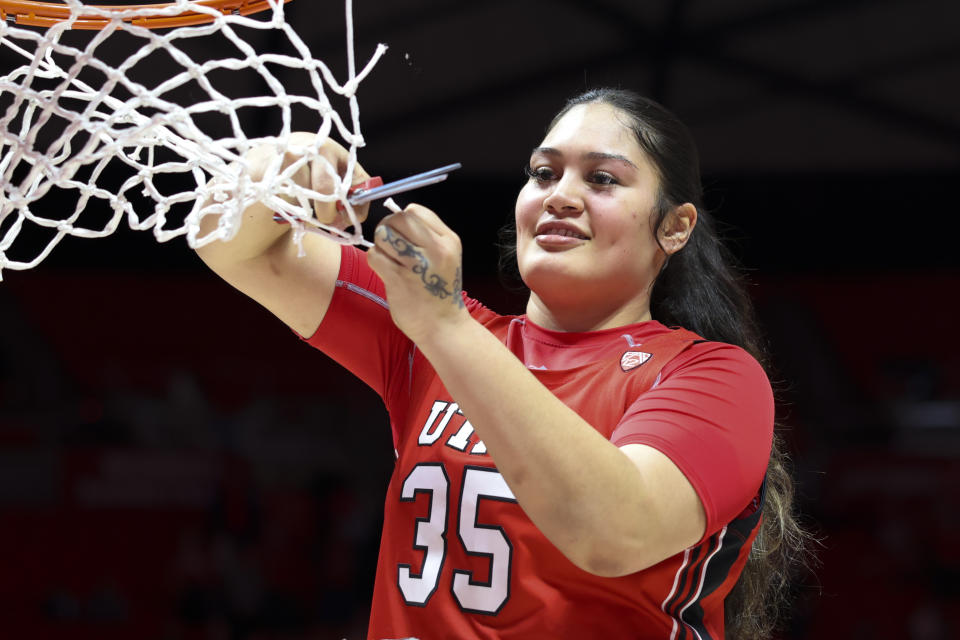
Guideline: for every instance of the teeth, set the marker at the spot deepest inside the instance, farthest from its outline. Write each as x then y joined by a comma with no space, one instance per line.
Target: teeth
563,232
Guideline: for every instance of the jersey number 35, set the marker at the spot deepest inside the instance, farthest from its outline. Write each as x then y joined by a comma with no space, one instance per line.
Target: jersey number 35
485,540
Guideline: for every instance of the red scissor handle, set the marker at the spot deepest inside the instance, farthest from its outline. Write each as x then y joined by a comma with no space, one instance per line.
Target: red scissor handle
375,181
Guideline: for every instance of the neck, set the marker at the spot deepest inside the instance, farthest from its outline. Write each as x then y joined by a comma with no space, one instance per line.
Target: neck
585,316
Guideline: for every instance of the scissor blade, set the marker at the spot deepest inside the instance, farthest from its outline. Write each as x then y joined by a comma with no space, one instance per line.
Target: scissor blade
406,184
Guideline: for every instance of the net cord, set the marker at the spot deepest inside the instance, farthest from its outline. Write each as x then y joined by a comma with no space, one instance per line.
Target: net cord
217,165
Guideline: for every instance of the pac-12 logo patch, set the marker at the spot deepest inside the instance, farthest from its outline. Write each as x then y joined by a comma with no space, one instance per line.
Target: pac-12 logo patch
633,359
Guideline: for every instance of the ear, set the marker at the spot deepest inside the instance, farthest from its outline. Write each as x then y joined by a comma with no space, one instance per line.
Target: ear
677,227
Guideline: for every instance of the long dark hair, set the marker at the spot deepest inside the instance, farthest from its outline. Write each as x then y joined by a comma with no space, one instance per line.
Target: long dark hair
701,289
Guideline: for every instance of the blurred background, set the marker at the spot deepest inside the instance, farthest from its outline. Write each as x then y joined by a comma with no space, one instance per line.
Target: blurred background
176,464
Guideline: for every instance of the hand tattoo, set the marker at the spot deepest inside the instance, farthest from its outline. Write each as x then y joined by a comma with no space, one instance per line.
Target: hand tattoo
432,282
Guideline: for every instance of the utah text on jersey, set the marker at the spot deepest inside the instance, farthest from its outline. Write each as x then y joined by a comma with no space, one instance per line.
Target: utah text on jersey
447,421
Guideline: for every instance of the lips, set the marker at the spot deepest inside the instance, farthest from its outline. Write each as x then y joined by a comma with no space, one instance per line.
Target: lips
560,229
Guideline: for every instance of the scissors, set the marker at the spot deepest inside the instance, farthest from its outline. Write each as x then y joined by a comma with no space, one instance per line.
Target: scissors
375,189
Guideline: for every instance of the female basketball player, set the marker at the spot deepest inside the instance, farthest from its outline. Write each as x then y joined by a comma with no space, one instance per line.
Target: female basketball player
581,471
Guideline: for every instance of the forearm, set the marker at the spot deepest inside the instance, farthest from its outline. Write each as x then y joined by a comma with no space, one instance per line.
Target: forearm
258,233
611,511
580,490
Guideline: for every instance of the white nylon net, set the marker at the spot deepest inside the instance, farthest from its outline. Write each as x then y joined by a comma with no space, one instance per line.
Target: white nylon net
87,143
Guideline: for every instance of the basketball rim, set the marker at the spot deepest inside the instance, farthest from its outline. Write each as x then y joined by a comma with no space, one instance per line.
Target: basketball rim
47,14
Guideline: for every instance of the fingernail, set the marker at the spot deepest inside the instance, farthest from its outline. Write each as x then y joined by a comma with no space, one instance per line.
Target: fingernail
393,206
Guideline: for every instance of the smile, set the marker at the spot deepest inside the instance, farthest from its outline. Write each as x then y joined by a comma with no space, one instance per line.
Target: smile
563,231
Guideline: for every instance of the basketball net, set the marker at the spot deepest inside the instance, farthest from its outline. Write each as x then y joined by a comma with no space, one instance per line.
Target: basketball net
78,133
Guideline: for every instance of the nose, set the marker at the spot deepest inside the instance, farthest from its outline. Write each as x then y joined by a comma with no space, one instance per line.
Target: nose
565,198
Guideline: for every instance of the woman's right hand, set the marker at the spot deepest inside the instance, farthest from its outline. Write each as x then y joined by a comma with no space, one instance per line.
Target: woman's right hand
294,281
315,175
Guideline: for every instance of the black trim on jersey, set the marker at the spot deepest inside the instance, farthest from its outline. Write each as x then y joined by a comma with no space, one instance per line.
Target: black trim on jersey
477,525
686,585
678,595
738,532
711,548
416,529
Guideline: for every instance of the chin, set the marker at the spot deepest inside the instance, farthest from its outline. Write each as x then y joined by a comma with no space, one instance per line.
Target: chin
552,275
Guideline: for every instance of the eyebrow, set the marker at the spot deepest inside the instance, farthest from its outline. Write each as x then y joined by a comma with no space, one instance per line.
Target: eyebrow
591,155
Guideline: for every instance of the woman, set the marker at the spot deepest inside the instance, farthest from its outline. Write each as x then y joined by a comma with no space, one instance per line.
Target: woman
581,471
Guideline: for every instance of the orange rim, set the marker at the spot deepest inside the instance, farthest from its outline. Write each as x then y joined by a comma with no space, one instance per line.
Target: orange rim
47,14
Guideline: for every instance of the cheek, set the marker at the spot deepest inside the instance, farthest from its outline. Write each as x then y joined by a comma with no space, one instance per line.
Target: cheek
615,226
525,204
521,223
526,213
630,234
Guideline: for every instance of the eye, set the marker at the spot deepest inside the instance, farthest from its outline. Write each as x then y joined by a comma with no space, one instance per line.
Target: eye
540,174
603,178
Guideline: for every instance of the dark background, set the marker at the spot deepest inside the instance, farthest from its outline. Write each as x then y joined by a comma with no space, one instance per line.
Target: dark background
175,464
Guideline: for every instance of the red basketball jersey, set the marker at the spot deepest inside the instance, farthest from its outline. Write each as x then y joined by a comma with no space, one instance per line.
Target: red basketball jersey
458,556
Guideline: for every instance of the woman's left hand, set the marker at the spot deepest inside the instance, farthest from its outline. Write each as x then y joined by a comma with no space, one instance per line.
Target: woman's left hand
418,258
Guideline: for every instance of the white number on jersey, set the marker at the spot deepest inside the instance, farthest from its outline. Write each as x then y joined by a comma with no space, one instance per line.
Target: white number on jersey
484,540
431,533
